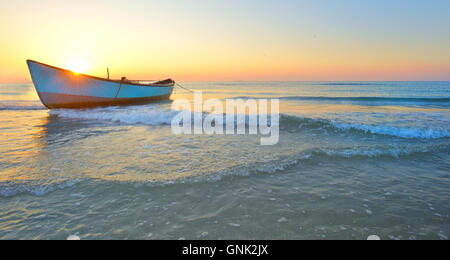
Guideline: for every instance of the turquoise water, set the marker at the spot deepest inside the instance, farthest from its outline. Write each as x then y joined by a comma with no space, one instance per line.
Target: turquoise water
354,159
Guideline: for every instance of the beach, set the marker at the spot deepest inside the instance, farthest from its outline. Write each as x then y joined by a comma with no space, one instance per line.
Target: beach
354,159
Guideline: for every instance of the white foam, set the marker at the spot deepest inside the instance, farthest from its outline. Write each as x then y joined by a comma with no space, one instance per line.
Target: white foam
73,237
442,236
373,237
282,220
143,115
403,132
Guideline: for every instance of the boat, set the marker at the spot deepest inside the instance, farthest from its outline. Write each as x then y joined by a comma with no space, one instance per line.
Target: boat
62,88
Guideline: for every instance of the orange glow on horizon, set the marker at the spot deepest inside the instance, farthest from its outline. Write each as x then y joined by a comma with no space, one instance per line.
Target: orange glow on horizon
251,42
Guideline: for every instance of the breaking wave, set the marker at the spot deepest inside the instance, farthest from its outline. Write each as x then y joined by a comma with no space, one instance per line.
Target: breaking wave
131,115
395,131
315,156
156,116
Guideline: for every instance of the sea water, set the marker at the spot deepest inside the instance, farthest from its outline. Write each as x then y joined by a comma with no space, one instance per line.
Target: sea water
354,159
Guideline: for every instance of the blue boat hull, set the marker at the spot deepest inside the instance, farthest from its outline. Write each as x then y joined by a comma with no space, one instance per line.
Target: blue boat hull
60,88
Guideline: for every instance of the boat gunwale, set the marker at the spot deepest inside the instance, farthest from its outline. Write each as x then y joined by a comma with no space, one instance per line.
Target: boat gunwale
103,79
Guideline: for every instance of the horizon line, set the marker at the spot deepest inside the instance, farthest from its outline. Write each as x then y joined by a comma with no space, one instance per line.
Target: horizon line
206,81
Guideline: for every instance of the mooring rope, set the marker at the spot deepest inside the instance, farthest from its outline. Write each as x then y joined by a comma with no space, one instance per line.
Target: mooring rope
179,85
117,94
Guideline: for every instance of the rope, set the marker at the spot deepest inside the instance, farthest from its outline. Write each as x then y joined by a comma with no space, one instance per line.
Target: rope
118,90
179,85
117,94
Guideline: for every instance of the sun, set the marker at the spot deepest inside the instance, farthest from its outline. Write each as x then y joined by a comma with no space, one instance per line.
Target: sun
77,65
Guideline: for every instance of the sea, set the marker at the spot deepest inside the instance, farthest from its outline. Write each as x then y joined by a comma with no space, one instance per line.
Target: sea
354,159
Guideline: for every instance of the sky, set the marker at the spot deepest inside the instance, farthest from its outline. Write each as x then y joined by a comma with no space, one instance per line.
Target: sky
210,40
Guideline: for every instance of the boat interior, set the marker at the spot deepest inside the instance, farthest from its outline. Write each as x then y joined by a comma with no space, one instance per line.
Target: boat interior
148,82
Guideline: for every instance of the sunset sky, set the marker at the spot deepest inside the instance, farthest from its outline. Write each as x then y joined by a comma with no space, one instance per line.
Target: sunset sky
208,40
